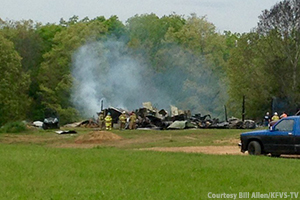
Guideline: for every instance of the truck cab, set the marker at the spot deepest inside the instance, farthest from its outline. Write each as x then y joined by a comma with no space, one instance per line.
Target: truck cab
282,138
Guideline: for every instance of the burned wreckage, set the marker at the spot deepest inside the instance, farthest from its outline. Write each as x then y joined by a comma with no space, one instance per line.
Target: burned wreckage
149,117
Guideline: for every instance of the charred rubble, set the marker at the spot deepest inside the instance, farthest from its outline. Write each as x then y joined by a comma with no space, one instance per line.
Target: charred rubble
152,118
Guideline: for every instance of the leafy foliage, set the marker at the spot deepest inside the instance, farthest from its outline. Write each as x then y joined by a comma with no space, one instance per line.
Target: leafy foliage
245,75
13,127
188,57
281,29
55,72
14,84
205,68
267,61
202,58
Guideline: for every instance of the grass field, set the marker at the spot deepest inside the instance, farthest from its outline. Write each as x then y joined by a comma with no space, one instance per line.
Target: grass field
33,168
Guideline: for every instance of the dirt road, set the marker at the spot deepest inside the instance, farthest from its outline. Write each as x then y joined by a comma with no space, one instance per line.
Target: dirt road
220,150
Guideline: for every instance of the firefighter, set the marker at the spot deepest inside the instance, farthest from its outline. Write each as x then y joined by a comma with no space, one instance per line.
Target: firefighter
283,115
267,119
108,122
275,117
132,121
122,120
101,120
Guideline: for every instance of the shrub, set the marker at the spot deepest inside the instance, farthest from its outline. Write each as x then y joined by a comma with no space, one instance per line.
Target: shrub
13,127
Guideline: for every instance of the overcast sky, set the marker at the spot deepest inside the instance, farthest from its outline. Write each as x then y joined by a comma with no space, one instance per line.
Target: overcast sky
233,15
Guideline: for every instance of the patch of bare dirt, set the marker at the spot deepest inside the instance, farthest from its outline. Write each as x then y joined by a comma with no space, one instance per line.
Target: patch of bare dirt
90,140
227,141
220,150
34,139
96,137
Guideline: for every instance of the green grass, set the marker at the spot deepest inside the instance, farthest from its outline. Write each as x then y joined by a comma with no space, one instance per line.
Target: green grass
40,172
133,139
178,138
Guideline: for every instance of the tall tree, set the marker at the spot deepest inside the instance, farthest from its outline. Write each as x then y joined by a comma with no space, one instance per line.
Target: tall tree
264,65
26,40
31,40
247,77
279,27
55,72
147,33
202,58
13,84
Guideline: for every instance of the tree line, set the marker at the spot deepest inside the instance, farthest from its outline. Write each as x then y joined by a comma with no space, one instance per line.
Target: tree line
217,68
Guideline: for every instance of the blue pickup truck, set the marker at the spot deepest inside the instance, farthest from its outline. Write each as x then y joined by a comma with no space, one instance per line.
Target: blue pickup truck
282,138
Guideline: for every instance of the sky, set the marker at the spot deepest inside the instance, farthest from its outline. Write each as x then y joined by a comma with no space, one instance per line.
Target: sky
227,15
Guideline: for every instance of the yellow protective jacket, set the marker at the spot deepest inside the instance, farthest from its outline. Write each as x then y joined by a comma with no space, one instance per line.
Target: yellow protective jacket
122,118
132,117
101,117
108,119
275,118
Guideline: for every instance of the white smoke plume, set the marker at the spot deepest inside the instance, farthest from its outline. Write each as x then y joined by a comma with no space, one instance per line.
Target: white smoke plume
106,71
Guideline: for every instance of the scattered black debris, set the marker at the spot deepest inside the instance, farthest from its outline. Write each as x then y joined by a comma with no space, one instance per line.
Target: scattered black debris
65,132
50,123
149,117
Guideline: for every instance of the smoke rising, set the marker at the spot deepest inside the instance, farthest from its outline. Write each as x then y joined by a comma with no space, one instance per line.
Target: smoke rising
111,72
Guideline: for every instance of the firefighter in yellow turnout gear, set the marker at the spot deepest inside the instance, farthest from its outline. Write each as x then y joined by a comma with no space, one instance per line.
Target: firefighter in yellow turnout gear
101,120
132,121
122,120
108,121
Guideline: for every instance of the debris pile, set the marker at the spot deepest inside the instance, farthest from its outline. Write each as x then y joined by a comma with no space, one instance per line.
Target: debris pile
149,117
89,123
50,123
239,124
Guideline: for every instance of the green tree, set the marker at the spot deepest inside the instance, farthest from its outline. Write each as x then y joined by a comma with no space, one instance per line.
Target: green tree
46,33
31,40
115,28
248,78
147,34
187,56
13,84
26,40
202,58
264,66
280,29
55,72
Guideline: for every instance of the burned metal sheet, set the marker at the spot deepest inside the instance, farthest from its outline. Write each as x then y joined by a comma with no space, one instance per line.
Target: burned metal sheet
182,125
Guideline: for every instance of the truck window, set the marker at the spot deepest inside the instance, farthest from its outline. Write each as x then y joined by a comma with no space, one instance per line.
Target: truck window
285,125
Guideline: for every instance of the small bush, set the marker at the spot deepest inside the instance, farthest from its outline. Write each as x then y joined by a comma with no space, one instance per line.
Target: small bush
13,127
